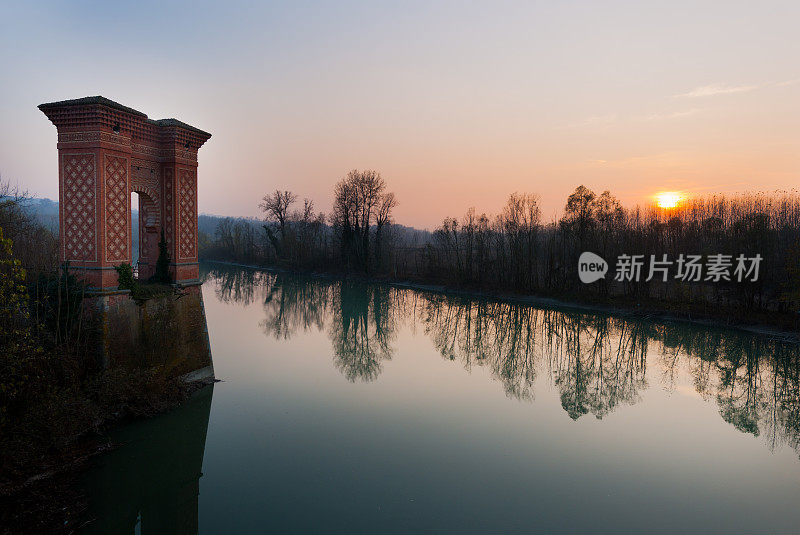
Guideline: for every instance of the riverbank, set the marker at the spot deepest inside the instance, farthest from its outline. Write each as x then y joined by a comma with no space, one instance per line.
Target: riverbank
644,310
37,490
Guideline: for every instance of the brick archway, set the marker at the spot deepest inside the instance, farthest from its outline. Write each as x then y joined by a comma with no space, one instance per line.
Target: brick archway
149,230
106,151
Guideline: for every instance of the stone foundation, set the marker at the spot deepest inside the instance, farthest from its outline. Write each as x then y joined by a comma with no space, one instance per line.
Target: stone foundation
167,332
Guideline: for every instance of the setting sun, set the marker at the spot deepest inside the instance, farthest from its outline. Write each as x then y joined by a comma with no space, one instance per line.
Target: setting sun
668,199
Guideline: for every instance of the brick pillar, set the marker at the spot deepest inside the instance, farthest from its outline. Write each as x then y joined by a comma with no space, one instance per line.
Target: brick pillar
186,267
180,220
94,193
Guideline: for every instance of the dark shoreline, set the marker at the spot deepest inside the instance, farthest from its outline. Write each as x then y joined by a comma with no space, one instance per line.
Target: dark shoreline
628,311
42,497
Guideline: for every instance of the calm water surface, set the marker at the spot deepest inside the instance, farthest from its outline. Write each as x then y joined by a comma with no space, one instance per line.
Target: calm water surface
356,408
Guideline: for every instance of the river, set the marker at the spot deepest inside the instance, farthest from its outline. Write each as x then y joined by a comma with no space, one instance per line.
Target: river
348,407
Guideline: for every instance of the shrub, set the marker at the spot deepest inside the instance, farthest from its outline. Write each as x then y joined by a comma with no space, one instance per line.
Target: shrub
125,276
161,274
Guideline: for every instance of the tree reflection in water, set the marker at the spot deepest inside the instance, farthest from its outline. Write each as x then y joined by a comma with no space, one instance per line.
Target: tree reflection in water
292,303
361,329
596,362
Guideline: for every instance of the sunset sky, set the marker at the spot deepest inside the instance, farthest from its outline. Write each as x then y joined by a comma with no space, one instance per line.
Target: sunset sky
457,104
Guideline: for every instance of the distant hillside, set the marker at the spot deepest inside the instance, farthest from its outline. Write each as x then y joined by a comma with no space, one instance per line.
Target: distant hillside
46,212
406,236
207,223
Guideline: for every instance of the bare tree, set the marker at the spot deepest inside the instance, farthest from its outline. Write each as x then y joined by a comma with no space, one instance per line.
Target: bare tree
520,222
359,199
276,207
307,231
35,246
579,211
610,215
383,219
14,219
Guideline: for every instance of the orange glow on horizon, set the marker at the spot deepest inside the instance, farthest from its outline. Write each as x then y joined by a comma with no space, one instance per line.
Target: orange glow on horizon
668,199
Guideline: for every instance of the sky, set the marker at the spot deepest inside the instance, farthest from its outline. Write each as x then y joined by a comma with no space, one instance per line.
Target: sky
456,104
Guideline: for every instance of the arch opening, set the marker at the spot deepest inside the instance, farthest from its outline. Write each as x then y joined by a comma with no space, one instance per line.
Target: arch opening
146,233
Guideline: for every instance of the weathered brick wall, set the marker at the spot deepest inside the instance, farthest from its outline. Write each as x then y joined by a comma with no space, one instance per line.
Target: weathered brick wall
167,332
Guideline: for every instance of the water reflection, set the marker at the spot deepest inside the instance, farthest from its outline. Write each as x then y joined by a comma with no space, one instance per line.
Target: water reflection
151,484
291,304
596,362
361,329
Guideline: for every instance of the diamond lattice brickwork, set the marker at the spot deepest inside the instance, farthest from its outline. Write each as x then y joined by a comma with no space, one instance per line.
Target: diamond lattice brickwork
187,214
117,216
79,212
169,208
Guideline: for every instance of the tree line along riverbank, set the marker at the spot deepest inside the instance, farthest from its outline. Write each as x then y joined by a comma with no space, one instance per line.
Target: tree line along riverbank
516,252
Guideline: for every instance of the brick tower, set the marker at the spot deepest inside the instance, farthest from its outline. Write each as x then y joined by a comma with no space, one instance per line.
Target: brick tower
105,152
